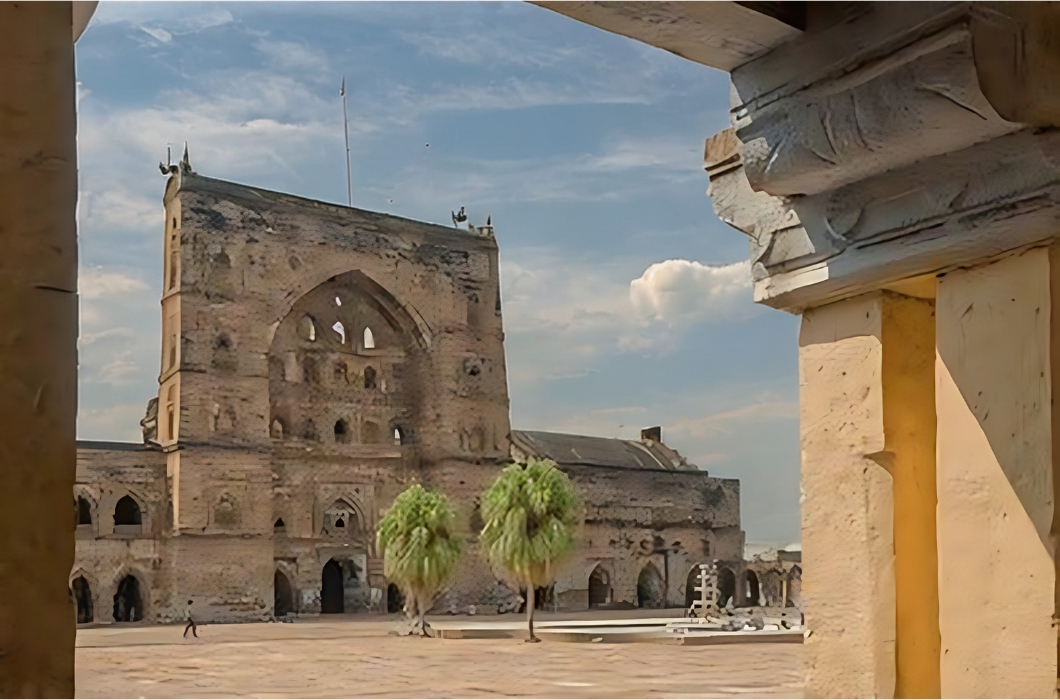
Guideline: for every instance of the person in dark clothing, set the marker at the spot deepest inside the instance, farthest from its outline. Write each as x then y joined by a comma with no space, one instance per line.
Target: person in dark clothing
191,624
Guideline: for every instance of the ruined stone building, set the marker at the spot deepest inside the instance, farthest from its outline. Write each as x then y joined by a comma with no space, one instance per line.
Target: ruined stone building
317,359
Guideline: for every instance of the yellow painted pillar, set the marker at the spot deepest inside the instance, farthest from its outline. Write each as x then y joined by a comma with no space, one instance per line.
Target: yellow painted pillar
996,329
868,443
38,348
909,456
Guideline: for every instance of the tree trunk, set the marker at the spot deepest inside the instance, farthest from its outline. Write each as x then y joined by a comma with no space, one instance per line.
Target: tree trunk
530,611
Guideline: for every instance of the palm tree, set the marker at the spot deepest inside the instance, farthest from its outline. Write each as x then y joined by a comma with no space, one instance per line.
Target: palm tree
419,549
530,512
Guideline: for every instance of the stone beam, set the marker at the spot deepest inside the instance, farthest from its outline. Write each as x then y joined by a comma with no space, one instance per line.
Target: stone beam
717,34
876,150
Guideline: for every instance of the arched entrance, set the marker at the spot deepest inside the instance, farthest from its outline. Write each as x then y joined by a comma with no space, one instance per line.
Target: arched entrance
83,599
726,586
84,511
283,597
794,587
599,587
128,603
650,588
691,583
395,602
752,590
331,591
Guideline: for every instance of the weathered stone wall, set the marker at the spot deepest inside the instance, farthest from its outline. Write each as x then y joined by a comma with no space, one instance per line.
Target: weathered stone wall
631,515
106,554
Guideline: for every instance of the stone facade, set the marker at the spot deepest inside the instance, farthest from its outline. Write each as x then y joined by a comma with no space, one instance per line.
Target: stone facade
316,360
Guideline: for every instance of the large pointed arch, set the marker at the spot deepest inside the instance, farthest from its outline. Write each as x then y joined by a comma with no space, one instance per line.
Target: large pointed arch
402,317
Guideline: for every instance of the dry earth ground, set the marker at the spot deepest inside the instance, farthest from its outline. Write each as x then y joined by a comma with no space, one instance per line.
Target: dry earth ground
347,657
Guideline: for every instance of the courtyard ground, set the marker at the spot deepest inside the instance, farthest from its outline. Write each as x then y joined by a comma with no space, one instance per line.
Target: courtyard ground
352,656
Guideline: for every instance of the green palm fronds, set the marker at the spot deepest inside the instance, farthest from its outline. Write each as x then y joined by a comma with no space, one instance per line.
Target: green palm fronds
531,512
419,550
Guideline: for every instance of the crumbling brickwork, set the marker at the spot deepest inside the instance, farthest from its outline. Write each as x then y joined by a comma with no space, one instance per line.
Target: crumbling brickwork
316,360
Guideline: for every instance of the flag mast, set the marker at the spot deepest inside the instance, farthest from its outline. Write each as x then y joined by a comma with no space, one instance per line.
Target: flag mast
346,133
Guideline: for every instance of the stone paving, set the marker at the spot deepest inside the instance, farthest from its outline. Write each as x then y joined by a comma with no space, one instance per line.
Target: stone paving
350,657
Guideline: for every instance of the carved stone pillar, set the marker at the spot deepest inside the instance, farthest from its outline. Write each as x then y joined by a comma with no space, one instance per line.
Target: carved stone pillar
895,152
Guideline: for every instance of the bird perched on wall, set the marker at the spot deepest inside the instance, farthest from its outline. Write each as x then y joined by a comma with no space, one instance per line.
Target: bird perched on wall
459,217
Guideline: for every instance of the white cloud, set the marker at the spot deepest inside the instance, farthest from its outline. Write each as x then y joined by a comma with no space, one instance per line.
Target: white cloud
87,339
98,283
685,290
115,422
767,407
291,55
122,370
117,208
563,316
157,33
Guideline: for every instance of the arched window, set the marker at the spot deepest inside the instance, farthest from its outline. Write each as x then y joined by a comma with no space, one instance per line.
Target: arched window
342,431
307,330
369,339
340,520
127,513
341,330
278,525
399,437
369,377
84,511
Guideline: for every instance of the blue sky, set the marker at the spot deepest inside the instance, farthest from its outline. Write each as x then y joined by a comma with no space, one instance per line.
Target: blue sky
626,302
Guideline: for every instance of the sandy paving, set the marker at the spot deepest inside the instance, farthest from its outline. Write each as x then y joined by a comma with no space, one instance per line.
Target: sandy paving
356,658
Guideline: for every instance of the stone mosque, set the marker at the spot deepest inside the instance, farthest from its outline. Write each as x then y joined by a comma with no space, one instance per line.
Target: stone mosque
315,360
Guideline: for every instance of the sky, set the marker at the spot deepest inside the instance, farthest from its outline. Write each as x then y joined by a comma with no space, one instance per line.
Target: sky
626,302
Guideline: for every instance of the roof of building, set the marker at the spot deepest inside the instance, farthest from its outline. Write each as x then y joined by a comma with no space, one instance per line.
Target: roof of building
600,452
107,445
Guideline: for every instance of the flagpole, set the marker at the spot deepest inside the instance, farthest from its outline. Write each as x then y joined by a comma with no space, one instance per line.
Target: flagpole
346,133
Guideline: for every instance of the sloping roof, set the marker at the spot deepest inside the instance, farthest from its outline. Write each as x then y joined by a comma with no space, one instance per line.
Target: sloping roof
595,451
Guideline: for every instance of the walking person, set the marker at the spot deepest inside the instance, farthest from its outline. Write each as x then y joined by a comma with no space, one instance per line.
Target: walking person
191,625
